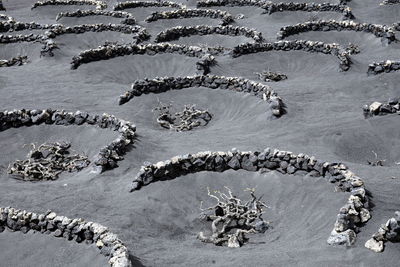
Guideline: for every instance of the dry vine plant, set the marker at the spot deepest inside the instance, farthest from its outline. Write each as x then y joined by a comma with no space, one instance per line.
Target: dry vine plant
232,219
47,161
377,162
269,76
185,120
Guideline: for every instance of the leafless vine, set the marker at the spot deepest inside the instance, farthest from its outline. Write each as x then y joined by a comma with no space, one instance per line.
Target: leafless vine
232,219
47,161
377,162
185,120
269,76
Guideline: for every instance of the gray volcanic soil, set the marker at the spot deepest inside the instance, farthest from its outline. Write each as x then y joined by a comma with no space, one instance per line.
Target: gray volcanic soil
159,223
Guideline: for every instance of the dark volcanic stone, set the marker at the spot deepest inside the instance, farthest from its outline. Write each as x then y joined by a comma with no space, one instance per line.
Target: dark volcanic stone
234,163
248,165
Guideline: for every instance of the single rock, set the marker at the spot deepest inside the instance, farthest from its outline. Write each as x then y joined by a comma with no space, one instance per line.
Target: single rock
376,246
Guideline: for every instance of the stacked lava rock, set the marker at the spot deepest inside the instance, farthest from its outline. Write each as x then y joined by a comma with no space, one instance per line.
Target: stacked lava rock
352,214
384,66
310,46
128,18
382,31
378,108
8,39
191,13
97,4
127,29
211,3
237,84
12,25
308,7
116,50
107,157
183,31
390,231
136,4
76,230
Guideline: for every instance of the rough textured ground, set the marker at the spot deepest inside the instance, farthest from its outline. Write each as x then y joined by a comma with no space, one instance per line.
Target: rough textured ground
159,223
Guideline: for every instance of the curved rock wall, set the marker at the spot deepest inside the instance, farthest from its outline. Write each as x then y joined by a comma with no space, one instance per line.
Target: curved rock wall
164,84
137,4
139,33
57,30
192,13
390,231
211,3
383,66
128,17
351,215
111,51
308,46
97,4
77,230
107,157
8,39
182,31
382,31
308,7
12,25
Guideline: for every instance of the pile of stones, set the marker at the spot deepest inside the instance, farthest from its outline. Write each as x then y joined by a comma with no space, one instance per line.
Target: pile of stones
192,13
378,108
107,157
308,46
118,50
390,231
128,17
185,120
47,162
182,31
352,214
383,66
97,4
15,61
163,84
308,7
136,4
382,31
77,230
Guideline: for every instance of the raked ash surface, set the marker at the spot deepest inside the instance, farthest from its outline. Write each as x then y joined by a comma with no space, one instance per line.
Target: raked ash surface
57,84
